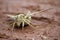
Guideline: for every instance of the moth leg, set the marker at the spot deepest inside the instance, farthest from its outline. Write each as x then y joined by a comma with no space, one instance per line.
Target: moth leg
13,26
29,23
22,25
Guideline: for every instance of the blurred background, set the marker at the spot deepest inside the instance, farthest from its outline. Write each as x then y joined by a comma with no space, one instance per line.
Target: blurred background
19,5
47,24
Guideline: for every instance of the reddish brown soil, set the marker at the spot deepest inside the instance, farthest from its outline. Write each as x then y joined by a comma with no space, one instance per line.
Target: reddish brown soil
46,24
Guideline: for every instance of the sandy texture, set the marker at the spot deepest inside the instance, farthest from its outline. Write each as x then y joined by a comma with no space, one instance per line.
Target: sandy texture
47,24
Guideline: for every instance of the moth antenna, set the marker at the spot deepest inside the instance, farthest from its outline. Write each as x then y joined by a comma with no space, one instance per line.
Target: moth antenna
41,11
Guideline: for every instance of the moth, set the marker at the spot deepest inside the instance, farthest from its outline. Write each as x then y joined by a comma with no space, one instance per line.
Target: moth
23,19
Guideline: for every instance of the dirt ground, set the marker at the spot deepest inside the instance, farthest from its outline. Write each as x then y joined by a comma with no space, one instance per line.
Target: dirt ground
46,24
